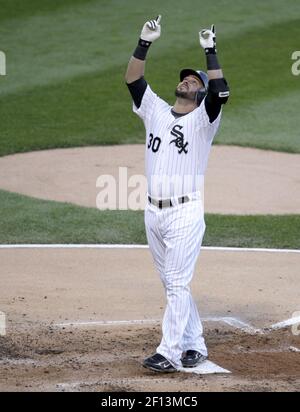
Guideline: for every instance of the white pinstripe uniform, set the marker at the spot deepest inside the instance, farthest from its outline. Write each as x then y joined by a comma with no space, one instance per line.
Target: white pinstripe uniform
176,147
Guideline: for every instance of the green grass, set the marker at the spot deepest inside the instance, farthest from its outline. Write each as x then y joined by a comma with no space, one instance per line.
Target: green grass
27,220
24,8
262,231
66,61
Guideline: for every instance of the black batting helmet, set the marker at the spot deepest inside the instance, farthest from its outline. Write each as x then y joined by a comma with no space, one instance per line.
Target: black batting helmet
202,76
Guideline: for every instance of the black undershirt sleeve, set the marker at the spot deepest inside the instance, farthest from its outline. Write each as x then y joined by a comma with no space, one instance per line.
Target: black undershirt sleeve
137,90
218,92
212,107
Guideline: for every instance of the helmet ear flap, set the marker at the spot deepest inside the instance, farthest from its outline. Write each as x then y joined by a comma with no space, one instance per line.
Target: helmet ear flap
200,95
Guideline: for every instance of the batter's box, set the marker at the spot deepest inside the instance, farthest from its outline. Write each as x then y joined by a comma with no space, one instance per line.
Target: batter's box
2,324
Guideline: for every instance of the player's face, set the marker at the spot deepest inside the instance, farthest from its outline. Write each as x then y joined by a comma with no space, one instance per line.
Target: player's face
188,88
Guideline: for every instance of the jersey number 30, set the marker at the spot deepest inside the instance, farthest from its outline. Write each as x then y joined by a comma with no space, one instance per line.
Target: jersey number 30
154,143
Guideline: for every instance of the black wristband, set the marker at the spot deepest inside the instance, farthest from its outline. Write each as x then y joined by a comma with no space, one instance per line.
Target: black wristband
142,49
212,62
210,50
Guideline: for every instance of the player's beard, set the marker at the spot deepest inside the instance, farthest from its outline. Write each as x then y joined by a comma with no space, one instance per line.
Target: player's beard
185,95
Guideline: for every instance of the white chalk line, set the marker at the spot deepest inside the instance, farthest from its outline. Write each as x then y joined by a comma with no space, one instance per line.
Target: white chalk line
289,322
294,349
117,246
108,323
231,321
237,324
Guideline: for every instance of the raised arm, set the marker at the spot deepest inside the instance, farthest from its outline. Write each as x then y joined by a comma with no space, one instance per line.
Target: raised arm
136,66
207,40
218,90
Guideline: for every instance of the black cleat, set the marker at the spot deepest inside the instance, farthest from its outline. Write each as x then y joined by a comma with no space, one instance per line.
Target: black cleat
158,363
192,358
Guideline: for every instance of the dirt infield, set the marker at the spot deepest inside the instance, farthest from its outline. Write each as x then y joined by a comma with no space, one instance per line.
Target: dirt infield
109,359
52,296
238,180
46,290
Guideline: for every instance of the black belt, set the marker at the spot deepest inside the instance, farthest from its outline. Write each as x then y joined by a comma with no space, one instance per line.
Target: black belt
167,202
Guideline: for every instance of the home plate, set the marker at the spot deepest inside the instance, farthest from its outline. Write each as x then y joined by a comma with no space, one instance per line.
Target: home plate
205,368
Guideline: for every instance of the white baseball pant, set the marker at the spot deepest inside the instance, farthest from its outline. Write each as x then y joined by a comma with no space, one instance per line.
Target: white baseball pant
175,235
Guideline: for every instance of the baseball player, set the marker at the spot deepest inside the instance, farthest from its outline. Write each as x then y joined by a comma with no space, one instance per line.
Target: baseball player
178,142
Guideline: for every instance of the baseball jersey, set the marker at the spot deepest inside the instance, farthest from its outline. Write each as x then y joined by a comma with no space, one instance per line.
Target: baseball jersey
177,147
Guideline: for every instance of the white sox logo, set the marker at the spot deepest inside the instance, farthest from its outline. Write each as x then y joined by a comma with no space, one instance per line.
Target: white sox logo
154,142
179,143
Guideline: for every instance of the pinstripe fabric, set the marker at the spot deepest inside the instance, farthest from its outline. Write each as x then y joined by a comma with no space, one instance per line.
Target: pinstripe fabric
174,236
177,151
170,162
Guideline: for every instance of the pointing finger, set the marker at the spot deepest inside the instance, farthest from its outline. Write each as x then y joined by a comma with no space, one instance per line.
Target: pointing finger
158,19
150,24
204,34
